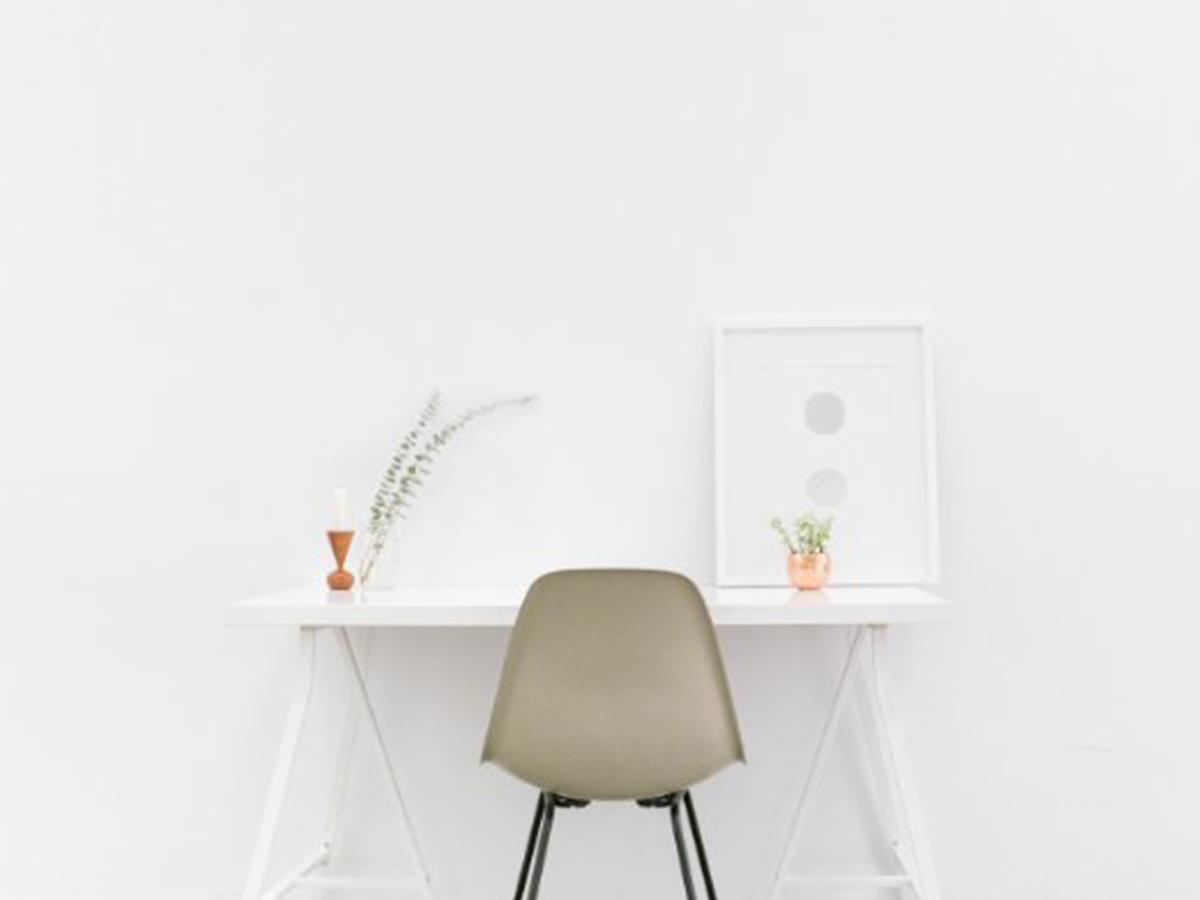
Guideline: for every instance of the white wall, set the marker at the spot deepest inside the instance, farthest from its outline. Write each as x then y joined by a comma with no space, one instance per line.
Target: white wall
240,241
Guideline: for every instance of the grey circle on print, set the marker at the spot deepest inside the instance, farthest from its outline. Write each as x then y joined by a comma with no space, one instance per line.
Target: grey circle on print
827,487
825,412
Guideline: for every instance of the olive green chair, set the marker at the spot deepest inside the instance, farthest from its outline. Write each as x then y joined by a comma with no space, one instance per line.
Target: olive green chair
613,689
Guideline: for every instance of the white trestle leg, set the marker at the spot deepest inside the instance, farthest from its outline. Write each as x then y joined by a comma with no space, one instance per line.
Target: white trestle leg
867,656
916,854
277,792
313,871
421,881
351,720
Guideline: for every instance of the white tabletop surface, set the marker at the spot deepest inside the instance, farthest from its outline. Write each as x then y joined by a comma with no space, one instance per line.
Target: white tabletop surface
497,607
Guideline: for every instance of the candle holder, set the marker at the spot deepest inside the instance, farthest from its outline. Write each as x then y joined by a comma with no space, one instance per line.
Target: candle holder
339,579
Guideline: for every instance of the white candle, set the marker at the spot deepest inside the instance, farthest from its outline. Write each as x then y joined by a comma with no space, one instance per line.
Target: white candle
341,507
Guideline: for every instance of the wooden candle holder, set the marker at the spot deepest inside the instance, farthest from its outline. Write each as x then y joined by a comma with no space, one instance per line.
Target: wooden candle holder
339,579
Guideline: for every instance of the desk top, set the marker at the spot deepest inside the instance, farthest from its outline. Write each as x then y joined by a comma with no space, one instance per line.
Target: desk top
497,607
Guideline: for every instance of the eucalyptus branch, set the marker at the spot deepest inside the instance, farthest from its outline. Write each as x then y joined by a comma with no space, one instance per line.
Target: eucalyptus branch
408,470
392,474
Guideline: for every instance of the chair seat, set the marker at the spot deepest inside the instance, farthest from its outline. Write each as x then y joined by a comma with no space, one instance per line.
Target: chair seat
622,774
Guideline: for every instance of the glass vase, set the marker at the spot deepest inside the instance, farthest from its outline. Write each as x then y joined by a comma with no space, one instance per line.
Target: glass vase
379,571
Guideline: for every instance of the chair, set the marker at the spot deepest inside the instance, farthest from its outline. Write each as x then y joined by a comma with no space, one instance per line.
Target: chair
613,689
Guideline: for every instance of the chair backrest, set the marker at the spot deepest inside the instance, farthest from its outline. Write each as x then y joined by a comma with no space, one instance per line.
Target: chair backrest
613,688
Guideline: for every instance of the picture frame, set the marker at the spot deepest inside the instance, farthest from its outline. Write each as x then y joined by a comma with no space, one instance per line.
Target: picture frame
834,416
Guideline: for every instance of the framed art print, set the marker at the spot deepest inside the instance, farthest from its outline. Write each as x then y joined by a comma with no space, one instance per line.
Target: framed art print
832,417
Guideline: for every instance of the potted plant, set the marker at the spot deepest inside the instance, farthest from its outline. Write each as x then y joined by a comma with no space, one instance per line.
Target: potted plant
807,542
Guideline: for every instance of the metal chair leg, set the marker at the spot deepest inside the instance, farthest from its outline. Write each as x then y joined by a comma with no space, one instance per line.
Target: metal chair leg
681,847
539,862
694,822
543,822
534,831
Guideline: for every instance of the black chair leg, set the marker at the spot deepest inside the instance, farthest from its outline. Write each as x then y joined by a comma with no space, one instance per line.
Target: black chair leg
539,862
680,846
694,821
543,823
534,831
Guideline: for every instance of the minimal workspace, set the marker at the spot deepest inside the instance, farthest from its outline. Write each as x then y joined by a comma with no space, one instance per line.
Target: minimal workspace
658,450
613,687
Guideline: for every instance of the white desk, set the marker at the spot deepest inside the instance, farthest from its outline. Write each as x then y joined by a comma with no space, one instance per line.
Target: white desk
866,611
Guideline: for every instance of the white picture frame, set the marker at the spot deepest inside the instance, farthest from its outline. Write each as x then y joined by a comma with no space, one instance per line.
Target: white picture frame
834,416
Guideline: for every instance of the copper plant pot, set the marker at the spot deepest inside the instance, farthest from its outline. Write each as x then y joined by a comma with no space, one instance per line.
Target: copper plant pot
808,571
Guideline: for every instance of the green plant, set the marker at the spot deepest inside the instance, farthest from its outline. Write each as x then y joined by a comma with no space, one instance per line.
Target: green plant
809,533
411,464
